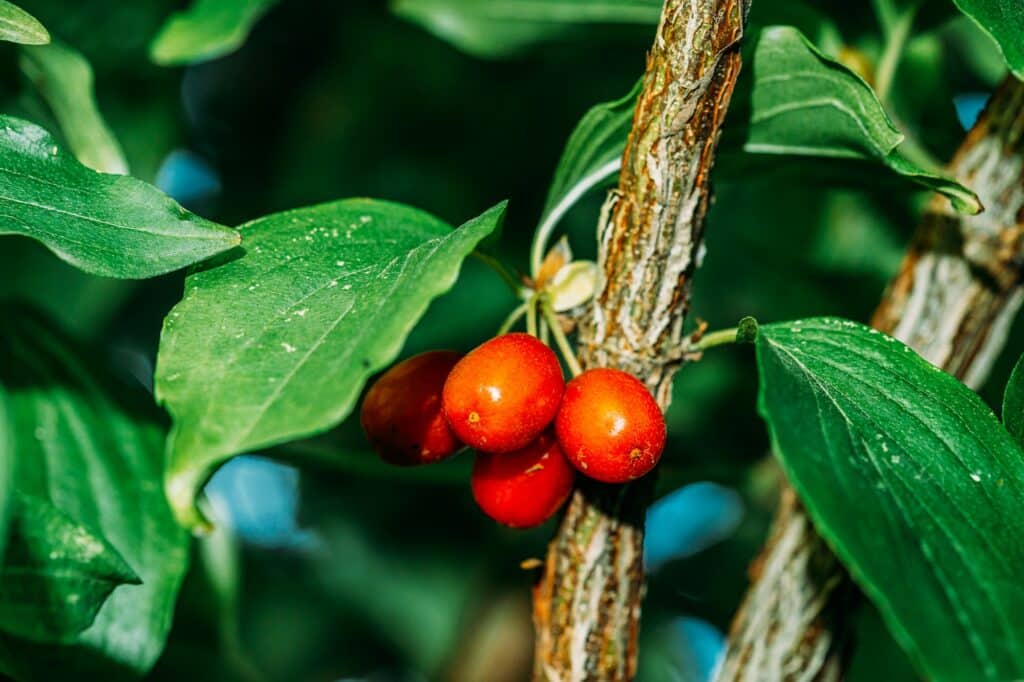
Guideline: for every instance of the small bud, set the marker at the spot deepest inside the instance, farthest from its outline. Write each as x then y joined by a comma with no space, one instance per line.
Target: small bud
573,285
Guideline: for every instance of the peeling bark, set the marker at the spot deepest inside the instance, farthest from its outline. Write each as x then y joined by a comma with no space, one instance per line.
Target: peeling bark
587,601
958,290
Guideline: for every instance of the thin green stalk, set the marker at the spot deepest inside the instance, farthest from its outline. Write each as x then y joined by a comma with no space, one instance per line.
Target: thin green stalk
885,12
512,318
716,338
568,354
531,316
896,40
506,276
219,553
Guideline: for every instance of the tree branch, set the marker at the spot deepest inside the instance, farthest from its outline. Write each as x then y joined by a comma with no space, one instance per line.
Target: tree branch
587,601
957,292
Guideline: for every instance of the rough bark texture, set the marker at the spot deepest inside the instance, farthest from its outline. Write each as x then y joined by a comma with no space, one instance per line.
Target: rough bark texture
587,601
957,292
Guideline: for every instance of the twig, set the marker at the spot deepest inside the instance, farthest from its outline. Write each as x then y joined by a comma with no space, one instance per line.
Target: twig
564,347
587,602
959,288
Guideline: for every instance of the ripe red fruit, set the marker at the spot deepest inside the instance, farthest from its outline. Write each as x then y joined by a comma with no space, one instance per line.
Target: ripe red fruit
609,426
401,413
524,488
503,394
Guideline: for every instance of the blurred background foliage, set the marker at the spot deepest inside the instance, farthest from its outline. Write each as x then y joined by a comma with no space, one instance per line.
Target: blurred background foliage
346,568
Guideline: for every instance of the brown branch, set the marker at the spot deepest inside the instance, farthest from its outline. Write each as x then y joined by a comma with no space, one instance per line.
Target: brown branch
958,290
587,601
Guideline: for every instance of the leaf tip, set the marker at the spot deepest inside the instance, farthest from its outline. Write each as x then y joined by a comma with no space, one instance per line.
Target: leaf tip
38,37
746,330
970,204
33,31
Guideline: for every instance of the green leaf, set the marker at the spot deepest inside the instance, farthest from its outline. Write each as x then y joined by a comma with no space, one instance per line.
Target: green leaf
975,51
56,574
1013,402
108,225
1004,21
277,344
592,153
207,30
803,103
792,100
92,448
496,28
64,79
18,26
914,484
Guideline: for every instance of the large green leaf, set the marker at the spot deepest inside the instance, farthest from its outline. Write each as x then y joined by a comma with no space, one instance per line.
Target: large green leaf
18,26
206,30
1004,21
277,344
791,100
92,448
495,28
1013,402
800,102
64,79
56,574
109,225
913,482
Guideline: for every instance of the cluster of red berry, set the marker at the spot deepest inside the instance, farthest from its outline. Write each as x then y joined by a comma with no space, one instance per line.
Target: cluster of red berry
501,399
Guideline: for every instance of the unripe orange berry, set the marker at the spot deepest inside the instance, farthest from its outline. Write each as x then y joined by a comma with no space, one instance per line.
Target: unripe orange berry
504,393
609,426
402,411
524,488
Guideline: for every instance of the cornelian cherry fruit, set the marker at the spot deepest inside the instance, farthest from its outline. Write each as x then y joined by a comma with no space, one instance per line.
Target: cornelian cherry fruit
524,488
402,415
504,393
609,426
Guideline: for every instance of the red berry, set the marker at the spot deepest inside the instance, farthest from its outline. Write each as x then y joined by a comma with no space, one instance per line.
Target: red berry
609,426
503,394
402,411
524,488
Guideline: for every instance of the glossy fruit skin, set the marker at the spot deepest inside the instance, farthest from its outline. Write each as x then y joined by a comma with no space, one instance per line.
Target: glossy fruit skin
525,488
504,393
402,414
609,426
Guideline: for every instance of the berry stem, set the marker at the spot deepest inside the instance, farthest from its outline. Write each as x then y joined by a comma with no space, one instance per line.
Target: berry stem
716,338
512,318
531,316
560,339
507,277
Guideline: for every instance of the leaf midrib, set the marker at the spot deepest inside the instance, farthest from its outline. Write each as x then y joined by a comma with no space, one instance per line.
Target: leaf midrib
983,657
